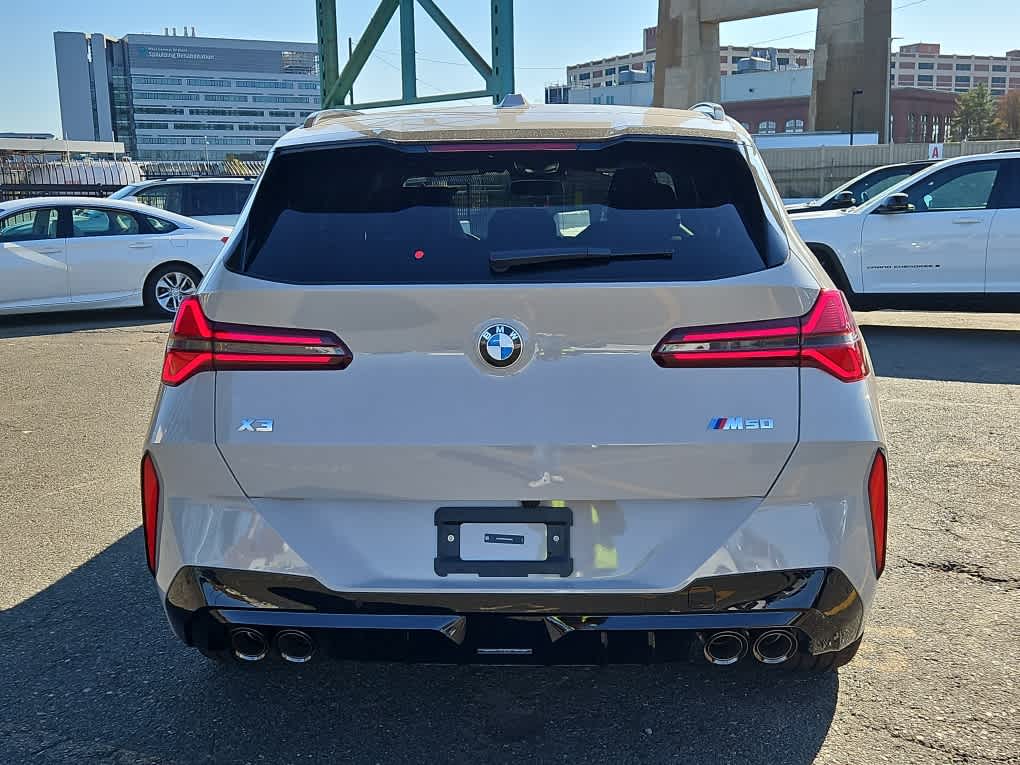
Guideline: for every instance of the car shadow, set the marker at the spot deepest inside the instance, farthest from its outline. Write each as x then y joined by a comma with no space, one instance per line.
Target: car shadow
945,354
92,673
61,322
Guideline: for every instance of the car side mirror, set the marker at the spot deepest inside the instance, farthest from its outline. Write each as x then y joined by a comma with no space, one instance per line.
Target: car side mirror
844,199
896,203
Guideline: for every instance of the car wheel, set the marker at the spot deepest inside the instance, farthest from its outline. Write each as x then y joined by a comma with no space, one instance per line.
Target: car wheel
167,287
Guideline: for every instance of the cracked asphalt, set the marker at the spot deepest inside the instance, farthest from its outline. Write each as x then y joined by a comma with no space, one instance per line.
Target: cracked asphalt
89,672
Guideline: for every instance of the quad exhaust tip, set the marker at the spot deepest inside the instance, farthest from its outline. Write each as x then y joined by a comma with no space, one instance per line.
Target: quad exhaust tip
725,647
774,646
295,646
248,645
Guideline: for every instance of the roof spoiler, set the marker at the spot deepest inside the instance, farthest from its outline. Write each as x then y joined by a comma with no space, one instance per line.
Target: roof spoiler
324,115
713,110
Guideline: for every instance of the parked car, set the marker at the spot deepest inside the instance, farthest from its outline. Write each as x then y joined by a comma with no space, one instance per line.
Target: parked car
864,187
63,253
952,231
211,200
539,383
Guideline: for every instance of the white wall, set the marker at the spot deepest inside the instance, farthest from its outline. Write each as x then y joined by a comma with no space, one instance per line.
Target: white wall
758,86
631,94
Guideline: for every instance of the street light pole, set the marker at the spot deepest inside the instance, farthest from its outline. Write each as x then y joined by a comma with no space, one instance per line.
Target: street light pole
888,91
853,108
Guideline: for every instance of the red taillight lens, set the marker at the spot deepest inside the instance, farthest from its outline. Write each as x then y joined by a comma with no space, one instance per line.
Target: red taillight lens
197,345
826,338
831,340
150,509
878,497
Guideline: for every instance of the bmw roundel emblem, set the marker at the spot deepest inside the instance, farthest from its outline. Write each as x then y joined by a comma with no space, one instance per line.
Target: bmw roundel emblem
500,345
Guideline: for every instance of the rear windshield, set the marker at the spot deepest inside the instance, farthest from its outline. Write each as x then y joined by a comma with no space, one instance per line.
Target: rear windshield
630,211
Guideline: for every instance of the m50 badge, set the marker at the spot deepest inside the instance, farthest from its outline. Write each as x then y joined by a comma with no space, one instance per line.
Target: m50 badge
741,423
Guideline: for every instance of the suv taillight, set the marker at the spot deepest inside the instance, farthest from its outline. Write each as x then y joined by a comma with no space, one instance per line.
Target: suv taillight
825,338
198,345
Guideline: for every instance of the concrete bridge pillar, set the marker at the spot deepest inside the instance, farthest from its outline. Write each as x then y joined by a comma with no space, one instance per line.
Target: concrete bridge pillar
851,53
852,38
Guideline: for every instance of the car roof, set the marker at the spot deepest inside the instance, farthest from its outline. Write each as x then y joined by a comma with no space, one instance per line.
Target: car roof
114,204
532,121
192,179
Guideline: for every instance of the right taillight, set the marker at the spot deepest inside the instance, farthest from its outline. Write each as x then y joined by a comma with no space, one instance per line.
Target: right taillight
197,344
825,338
878,498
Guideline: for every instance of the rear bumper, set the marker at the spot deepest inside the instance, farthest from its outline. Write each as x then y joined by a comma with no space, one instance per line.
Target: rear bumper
821,605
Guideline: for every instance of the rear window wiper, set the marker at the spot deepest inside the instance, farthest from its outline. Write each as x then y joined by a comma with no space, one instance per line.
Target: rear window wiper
504,260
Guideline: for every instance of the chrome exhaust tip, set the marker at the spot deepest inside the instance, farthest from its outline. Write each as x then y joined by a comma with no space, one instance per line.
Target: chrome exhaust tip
774,646
725,647
294,646
248,644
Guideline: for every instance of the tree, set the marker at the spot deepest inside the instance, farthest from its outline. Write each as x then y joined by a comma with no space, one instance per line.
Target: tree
976,116
1009,114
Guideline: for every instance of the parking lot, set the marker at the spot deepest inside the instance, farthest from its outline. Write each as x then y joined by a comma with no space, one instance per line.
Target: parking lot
91,673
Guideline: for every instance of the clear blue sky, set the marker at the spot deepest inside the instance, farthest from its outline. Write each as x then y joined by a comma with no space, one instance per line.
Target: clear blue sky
549,35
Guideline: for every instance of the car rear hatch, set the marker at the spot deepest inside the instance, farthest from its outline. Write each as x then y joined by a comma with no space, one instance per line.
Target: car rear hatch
434,266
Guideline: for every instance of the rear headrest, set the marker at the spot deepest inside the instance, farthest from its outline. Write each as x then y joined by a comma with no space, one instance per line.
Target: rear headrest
636,188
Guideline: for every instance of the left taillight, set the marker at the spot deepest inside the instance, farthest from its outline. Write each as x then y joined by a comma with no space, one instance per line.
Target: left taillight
150,509
197,344
878,498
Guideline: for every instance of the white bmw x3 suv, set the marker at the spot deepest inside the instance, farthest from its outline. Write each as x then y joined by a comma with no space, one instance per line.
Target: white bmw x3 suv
519,384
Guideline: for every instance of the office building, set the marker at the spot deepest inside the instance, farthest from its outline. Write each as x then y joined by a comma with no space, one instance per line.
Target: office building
924,65
170,97
921,65
605,72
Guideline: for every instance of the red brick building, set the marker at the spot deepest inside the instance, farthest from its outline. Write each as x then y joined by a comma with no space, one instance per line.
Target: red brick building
918,115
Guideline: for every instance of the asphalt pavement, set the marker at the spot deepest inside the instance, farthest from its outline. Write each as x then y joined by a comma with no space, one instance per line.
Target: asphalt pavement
89,671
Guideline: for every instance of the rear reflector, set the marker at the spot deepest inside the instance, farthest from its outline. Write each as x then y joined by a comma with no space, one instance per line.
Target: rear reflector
199,345
150,509
825,338
878,497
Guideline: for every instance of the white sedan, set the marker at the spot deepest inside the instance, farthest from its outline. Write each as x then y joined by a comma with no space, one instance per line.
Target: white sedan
72,253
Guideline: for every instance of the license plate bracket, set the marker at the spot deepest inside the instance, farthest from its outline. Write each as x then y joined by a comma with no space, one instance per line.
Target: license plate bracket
449,535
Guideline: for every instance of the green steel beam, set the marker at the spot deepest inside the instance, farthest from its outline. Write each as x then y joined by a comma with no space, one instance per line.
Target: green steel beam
337,84
423,99
408,69
329,49
459,41
502,82
376,26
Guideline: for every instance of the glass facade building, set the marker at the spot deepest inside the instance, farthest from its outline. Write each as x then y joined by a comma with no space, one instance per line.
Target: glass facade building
169,97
